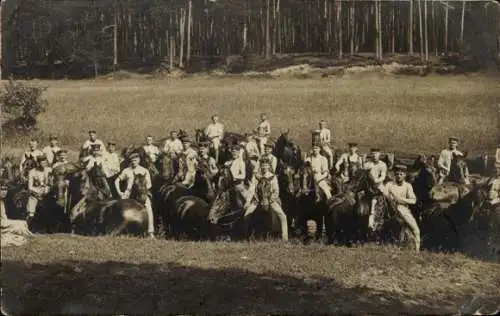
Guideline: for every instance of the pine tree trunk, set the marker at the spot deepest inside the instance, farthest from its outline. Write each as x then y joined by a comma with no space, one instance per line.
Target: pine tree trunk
421,31
115,41
446,18
182,26
351,26
410,29
268,34
339,25
426,32
189,24
462,27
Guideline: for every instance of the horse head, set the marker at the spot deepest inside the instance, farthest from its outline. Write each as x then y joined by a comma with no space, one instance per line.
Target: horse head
203,183
220,206
139,191
168,166
290,179
307,184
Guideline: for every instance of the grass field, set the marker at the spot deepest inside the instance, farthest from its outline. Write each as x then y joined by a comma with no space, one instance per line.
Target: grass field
397,113
102,275
62,274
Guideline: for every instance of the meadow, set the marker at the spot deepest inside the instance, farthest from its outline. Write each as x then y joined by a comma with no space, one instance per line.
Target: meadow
397,113
63,274
68,275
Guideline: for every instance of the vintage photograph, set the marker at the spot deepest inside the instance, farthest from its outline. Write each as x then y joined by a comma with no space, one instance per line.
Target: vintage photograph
250,157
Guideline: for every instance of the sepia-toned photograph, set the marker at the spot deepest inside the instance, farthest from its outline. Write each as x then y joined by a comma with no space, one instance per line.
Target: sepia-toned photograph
250,157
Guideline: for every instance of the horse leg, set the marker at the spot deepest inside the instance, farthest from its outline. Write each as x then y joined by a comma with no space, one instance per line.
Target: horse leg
246,219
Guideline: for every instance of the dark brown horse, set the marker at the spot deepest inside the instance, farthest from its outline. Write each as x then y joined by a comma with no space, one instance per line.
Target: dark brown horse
89,216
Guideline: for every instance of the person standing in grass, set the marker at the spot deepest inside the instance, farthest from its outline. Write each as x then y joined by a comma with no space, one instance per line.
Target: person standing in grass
51,150
263,130
215,133
446,158
401,193
268,156
31,154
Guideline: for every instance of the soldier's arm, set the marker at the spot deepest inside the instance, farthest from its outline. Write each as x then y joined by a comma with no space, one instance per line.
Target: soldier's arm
23,160
148,180
117,182
383,174
410,195
338,163
30,182
441,161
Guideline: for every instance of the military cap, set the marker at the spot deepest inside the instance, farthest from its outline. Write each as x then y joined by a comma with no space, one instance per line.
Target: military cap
92,131
186,140
352,144
375,149
134,155
112,143
269,143
453,138
400,167
61,151
253,157
52,137
236,147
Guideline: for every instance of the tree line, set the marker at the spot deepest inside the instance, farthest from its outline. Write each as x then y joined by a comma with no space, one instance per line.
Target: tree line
90,37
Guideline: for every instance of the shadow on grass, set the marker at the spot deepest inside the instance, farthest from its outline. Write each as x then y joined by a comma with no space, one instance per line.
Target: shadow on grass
76,287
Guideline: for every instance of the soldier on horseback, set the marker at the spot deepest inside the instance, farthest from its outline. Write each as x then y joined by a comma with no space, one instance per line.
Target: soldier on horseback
61,158
39,184
267,155
445,161
237,169
349,161
51,150
378,173
128,174
251,147
401,193
111,166
151,150
215,133
325,139
188,163
494,190
208,163
319,165
173,145
91,143
272,201
263,131
31,154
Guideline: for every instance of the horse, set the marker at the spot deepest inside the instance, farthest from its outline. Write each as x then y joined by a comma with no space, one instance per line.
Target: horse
289,184
111,217
190,218
309,206
265,220
357,197
287,151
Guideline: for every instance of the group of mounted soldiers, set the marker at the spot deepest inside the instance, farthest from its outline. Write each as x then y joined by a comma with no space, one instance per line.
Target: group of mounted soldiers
240,164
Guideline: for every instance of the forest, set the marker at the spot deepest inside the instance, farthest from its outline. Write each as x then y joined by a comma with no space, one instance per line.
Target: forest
83,38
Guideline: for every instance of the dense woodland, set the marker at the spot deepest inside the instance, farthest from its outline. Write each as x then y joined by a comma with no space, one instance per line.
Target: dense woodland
54,38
